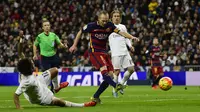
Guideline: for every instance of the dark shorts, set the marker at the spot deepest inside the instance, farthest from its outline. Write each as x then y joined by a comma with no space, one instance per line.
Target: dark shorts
157,70
49,62
99,59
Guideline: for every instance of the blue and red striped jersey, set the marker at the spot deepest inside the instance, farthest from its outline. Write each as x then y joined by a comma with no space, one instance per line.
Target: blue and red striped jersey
99,35
155,53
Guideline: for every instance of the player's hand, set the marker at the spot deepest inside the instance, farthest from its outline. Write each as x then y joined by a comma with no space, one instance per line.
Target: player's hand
136,39
132,49
35,57
72,49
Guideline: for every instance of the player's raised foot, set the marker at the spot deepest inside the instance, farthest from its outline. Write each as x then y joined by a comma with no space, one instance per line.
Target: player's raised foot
97,100
121,92
119,87
154,87
62,85
115,94
90,104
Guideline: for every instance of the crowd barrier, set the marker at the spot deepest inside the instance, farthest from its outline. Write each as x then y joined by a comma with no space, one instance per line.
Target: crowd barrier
95,78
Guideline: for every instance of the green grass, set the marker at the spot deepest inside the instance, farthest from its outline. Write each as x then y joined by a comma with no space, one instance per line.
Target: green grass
135,99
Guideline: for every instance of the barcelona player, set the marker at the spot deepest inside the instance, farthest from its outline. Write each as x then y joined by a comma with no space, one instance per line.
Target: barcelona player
156,70
99,32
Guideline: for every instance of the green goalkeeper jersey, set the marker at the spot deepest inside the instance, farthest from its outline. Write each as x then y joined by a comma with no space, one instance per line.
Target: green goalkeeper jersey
47,43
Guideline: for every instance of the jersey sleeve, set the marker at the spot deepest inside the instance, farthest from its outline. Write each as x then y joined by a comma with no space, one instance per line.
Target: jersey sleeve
20,89
87,28
57,39
37,41
115,29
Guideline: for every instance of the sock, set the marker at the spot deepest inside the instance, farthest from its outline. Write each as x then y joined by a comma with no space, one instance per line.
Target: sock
127,74
109,80
71,104
104,85
55,82
116,81
158,79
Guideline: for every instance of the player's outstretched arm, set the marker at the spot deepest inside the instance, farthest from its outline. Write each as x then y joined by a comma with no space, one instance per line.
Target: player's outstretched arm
73,47
16,101
127,35
20,49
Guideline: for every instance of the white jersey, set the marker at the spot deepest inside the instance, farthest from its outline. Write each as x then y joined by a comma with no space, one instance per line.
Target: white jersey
118,43
35,89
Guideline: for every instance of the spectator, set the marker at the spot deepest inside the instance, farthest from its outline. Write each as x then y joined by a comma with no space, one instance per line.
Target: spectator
175,23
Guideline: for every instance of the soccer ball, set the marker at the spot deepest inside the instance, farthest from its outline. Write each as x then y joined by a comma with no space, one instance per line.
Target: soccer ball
165,83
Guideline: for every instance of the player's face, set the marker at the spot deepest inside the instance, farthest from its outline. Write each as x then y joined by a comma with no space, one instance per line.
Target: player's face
103,19
46,26
116,18
155,41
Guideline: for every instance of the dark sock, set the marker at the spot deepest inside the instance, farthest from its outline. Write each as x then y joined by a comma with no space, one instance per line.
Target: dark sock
158,79
109,80
104,85
154,81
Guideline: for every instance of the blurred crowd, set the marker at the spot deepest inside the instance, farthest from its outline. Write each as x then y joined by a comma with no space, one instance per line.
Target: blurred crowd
174,22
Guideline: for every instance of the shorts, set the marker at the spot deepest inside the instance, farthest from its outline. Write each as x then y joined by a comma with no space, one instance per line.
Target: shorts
157,70
49,62
44,81
123,61
99,59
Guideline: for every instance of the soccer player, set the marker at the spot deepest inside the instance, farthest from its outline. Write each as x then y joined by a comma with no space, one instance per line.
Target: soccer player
99,32
35,88
119,52
156,70
47,41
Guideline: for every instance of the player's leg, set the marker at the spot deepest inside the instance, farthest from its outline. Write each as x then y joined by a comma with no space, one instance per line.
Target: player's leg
63,103
160,74
155,77
100,61
116,74
52,74
127,62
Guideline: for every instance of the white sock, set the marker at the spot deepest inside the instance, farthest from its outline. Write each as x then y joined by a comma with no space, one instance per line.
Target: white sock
115,80
71,104
127,74
55,82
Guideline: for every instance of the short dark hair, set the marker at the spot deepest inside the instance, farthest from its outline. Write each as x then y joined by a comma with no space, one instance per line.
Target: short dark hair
25,66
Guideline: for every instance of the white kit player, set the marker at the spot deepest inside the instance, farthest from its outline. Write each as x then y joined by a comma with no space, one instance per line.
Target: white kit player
35,88
119,52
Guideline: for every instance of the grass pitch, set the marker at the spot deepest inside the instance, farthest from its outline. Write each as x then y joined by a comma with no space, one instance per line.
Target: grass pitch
135,99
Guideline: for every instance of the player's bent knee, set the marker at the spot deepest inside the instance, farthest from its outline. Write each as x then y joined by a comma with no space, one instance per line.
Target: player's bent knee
54,72
131,69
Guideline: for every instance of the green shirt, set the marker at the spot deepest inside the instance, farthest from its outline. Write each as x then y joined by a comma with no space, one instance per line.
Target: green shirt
47,43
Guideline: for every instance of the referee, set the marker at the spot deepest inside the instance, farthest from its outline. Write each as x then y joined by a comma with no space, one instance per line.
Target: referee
47,41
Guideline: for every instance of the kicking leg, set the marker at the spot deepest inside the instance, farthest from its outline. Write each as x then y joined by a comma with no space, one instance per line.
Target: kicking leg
116,74
54,78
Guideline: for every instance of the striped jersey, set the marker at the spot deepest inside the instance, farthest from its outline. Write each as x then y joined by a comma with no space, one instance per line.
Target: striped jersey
99,35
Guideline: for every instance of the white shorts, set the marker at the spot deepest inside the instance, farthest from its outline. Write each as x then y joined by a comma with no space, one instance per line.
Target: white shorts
45,78
47,95
123,61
